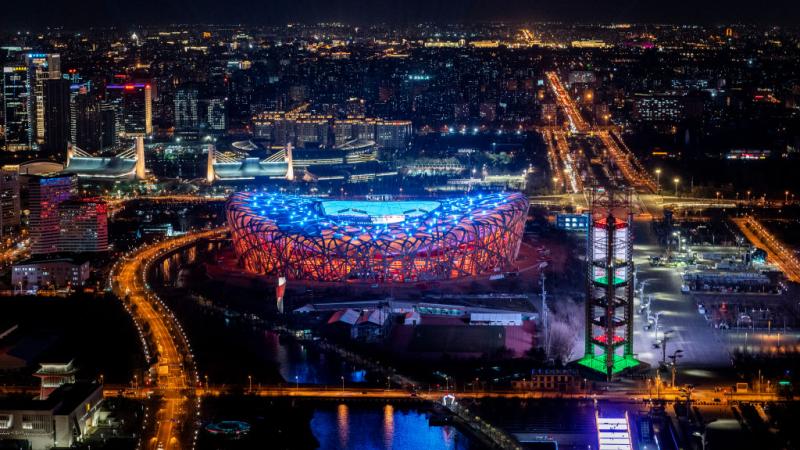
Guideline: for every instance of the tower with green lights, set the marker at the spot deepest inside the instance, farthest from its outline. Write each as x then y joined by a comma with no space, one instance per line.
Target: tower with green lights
610,284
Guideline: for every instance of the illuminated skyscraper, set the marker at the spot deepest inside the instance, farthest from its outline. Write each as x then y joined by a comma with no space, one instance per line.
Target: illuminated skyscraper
135,105
394,134
9,200
16,91
45,193
83,225
41,67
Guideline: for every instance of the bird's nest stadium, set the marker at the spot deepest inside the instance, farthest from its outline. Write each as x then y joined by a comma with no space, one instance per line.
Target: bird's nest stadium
309,238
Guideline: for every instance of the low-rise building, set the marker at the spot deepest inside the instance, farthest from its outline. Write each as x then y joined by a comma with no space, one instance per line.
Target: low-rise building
551,380
61,420
54,273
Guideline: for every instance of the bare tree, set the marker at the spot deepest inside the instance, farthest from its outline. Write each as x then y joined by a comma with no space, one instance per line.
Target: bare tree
564,326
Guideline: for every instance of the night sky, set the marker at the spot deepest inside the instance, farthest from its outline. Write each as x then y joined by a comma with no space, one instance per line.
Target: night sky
71,13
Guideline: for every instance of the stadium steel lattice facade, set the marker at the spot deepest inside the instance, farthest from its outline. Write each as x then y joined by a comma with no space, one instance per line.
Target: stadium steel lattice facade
306,238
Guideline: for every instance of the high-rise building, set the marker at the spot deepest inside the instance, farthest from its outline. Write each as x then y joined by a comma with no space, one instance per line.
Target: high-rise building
83,225
355,108
653,108
186,118
16,91
41,67
56,115
312,131
93,123
109,126
45,193
394,134
85,130
216,114
343,131
9,200
135,107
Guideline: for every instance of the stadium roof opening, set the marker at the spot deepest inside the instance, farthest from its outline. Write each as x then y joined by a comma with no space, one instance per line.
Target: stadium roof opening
377,212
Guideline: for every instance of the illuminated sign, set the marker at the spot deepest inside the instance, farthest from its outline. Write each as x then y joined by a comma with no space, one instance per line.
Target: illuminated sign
572,222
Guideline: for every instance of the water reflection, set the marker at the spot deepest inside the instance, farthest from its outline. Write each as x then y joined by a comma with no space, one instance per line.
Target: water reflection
298,363
388,426
394,428
343,425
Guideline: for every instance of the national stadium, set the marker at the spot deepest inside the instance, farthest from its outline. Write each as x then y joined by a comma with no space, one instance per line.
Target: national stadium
320,239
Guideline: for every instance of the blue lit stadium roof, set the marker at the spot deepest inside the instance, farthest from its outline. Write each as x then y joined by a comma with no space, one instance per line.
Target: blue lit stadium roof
312,215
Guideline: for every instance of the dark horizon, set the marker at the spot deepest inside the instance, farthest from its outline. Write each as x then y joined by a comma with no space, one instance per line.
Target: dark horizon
98,13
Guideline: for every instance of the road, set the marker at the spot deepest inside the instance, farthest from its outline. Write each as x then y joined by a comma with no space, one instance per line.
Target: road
632,170
637,393
576,121
562,162
777,252
173,365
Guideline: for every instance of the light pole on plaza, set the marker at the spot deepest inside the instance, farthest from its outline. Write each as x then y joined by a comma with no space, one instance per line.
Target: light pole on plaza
676,180
658,180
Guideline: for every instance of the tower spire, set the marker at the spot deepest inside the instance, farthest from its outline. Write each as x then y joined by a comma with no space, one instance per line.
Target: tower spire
140,168
289,162
212,157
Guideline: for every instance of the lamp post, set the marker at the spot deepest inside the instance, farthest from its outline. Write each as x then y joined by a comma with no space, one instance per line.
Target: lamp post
675,355
655,324
658,180
676,180
250,383
785,197
664,347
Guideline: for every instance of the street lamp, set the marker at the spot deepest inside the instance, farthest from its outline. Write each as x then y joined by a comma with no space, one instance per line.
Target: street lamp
675,355
342,383
785,197
655,323
658,180
676,180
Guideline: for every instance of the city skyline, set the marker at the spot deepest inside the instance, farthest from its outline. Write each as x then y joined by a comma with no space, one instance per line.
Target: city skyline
100,13
412,235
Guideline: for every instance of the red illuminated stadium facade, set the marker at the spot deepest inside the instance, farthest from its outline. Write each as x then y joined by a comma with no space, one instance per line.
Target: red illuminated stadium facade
305,238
